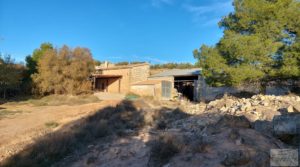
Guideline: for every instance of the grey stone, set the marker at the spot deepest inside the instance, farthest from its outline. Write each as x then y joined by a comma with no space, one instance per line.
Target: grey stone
263,126
286,124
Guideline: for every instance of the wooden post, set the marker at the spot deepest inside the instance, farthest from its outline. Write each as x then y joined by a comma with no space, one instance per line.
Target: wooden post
94,83
106,87
119,85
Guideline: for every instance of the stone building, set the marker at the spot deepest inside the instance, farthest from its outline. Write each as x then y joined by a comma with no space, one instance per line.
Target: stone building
135,78
118,79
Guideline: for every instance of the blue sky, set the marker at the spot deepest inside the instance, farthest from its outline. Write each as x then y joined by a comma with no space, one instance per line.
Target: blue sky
157,31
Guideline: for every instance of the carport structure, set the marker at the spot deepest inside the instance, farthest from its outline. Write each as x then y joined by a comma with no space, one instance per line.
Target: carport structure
106,83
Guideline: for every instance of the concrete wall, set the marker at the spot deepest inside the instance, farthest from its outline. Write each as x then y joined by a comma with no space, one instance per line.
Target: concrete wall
170,79
144,90
113,85
154,90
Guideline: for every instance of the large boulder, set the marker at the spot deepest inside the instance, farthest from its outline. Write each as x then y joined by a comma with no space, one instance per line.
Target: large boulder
287,128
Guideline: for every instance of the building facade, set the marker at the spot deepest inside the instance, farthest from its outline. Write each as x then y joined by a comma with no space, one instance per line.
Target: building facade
118,79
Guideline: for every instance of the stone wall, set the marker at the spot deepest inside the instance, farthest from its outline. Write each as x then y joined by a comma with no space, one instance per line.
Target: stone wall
139,73
207,93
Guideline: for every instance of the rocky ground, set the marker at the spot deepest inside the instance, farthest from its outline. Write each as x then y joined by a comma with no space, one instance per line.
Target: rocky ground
225,132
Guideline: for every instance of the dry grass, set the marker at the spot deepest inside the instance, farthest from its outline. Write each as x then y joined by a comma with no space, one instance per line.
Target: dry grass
57,100
6,113
162,150
200,145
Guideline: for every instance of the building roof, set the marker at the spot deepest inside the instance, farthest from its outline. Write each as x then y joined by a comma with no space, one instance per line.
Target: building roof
178,72
121,66
148,82
106,76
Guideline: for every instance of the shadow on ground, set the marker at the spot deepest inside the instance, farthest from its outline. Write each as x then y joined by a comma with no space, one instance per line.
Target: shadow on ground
175,138
127,118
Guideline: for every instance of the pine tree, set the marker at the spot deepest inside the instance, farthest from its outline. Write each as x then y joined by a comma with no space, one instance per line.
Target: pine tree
261,42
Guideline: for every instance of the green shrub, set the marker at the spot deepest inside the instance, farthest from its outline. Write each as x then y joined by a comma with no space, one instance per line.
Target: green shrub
51,124
131,96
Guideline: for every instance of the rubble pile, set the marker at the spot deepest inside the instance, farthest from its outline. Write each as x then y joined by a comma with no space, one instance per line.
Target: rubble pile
258,107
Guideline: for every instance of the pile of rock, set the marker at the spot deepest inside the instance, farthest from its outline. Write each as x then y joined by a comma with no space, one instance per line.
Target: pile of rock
258,107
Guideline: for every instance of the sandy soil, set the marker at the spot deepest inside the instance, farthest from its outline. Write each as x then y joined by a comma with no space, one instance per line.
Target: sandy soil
20,129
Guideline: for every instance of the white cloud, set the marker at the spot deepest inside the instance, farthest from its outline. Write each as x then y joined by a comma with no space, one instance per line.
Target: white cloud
205,15
208,15
148,58
218,7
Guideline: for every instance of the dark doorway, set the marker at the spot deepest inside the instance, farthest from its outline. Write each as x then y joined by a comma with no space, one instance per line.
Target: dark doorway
185,85
101,84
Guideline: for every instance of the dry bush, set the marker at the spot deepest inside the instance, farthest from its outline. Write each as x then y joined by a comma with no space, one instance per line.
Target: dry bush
64,71
234,122
162,150
160,119
51,124
201,145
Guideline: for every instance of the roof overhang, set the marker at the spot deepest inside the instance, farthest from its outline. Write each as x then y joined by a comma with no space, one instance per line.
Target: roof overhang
106,76
178,73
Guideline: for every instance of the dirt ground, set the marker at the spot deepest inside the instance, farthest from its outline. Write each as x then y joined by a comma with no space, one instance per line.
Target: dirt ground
109,96
29,122
225,132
